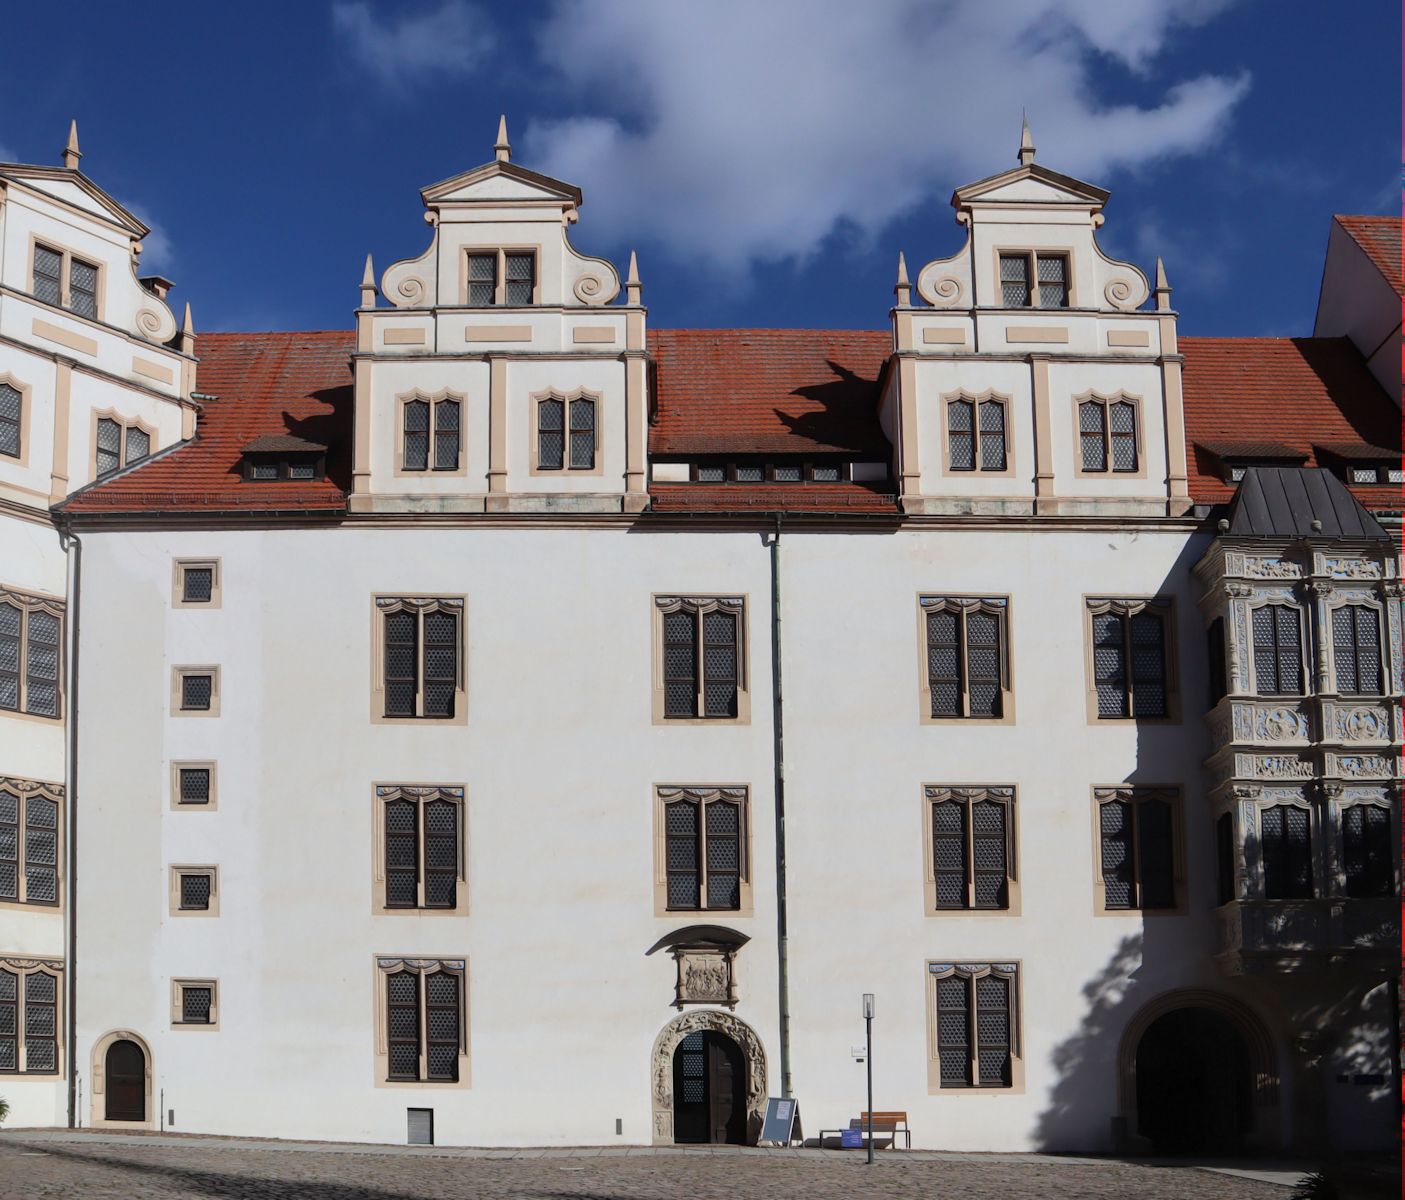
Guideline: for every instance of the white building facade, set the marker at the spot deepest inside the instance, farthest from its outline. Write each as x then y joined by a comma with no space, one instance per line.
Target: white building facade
502,724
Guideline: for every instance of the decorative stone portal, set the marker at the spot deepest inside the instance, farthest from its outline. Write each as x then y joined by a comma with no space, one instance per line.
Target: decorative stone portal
661,1068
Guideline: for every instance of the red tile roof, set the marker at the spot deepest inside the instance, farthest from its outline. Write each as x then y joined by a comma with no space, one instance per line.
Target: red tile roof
837,498
768,391
1301,392
1379,237
267,385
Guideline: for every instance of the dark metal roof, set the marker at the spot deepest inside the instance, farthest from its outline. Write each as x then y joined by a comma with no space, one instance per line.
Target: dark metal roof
1299,502
700,935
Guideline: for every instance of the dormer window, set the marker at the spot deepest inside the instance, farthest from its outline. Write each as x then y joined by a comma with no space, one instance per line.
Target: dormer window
501,277
1033,280
65,281
1360,463
270,459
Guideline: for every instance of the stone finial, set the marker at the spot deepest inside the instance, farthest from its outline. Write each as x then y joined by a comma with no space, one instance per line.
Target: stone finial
1026,143
633,288
368,285
903,288
502,148
71,153
187,333
1163,289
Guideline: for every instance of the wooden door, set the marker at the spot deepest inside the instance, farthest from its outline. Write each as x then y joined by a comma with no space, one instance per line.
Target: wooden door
726,1079
691,1109
126,1082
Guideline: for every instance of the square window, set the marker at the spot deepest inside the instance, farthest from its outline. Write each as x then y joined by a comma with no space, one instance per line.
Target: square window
196,583
195,1004
194,891
195,691
195,785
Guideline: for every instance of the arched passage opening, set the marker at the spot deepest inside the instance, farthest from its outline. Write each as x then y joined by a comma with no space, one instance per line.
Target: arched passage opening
708,1074
1199,1075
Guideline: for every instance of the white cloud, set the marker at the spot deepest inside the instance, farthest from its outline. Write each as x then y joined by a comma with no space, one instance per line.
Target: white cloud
158,252
737,132
400,48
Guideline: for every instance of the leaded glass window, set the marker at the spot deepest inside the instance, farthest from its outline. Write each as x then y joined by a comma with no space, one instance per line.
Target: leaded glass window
1356,649
109,451
196,1004
1137,857
1014,280
10,401
971,847
483,279
975,1016
48,275
424,1022
582,434
138,445
9,846
1367,851
1285,843
41,850
704,851
402,1002
9,1021
1053,281
31,651
960,433
1130,672
431,435
194,785
442,1027
416,454
197,585
83,288
551,434
521,281
41,1047
787,473
446,435
195,890
423,835
196,692
702,659
1278,650
966,657
422,655
1107,434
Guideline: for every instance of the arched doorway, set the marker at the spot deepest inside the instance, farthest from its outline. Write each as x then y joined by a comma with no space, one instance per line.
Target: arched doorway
708,1076
1194,1083
125,1071
709,1090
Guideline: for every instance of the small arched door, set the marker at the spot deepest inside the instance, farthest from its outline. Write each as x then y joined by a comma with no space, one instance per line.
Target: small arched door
1194,1083
125,1074
709,1089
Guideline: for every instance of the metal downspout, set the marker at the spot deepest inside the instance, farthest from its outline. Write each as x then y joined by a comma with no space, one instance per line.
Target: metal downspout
70,542
778,756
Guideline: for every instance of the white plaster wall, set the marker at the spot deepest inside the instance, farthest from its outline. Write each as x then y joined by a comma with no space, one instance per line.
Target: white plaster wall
92,395
558,756
391,379
28,482
938,379
1067,381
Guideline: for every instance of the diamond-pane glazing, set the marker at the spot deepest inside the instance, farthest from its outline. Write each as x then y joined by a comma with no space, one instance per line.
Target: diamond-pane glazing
195,1005
9,621
9,1054
582,450
196,691
9,420
443,1062
41,847
47,268
195,891
958,416
38,1018
41,989
1014,280
138,445
992,419
1115,825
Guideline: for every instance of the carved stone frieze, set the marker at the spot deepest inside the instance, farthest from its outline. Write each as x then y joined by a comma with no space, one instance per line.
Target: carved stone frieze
1361,724
1351,568
1271,568
1280,766
1360,766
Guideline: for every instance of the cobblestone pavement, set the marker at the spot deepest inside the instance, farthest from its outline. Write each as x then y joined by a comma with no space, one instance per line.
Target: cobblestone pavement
83,1167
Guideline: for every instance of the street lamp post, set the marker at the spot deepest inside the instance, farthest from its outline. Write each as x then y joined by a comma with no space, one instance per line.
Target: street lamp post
868,1062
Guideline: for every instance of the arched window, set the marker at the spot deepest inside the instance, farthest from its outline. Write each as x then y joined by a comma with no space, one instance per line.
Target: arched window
29,1018
566,434
1356,649
1278,650
1107,432
1285,841
551,437
582,434
976,434
431,434
118,444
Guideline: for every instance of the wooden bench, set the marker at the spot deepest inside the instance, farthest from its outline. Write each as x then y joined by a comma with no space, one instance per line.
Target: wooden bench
887,1124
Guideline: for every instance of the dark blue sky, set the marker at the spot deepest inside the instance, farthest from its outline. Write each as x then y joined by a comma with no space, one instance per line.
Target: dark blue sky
272,153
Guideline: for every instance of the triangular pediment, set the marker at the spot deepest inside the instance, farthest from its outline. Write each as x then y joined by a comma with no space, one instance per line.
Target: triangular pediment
76,189
1031,184
496,182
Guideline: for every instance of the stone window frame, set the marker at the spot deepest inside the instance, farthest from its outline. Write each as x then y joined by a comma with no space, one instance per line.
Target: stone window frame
206,764
383,965
178,987
383,794
567,397
1106,401
1128,607
738,794
385,603
67,255
963,603
55,606
1340,805
1357,599
1280,599
663,603
1136,795
24,790
500,280
967,794
176,873
1005,401
1031,255
127,424
20,460
1316,839
23,967
434,400
180,673
1011,969
179,567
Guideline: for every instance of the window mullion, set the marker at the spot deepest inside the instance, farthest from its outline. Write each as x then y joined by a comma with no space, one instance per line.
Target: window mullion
973,1033
500,287
702,854
1128,678
420,848
1033,268
968,816
422,1006
65,262
700,700
419,663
